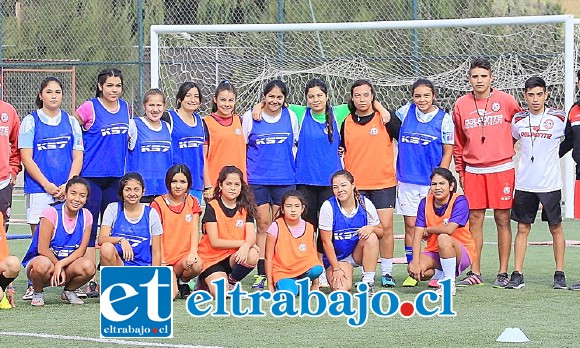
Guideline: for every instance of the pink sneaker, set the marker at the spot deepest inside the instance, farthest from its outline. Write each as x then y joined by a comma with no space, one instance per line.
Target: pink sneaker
433,283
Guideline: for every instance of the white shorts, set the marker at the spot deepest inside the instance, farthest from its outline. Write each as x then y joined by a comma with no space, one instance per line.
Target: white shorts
408,198
350,260
35,205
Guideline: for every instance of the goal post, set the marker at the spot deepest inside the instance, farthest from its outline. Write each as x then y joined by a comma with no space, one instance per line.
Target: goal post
392,54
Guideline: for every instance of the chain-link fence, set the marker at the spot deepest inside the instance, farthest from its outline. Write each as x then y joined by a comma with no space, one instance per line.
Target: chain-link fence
74,39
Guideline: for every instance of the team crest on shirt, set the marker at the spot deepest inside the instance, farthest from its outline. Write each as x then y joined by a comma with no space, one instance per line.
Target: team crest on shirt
548,124
4,117
239,223
188,217
374,131
495,106
238,131
302,247
446,222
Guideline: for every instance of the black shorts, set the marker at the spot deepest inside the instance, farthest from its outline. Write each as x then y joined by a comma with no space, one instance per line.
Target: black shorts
222,266
381,198
6,202
526,206
270,194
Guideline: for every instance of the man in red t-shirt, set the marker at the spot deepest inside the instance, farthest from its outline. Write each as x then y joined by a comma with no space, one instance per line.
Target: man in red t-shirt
483,154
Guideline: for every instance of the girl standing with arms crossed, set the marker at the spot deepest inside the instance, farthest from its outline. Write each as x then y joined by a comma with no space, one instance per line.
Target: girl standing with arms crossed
56,256
350,231
150,151
228,245
224,139
187,136
444,217
291,247
105,123
51,148
367,138
427,133
131,231
270,161
179,213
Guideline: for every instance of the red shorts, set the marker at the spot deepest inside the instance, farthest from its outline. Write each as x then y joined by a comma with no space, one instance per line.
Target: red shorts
489,191
577,200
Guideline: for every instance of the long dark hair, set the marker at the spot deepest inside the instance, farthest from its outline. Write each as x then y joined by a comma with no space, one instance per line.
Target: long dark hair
348,175
223,86
182,91
356,84
103,76
43,84
291,194
245,200
328,112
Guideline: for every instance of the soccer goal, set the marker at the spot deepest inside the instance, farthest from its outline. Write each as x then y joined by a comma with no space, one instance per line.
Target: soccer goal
390,54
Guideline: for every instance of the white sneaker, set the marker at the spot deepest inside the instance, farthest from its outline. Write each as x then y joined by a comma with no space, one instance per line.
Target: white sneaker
28,294
322,281
71,297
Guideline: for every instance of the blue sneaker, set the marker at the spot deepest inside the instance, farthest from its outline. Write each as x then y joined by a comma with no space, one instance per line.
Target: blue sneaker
387,281
260,282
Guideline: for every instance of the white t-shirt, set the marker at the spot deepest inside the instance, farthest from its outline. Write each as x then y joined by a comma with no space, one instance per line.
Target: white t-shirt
110,215
326,216
540,137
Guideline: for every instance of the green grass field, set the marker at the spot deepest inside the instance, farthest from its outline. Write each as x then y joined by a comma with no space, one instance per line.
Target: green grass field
546,316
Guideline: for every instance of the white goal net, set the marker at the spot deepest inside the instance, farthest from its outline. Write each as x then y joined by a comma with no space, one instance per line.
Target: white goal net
390,54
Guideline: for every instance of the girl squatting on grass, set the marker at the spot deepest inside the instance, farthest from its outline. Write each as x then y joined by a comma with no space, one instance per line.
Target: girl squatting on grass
291,247
443,219
131,231
179,212
56,256
350,231
228,244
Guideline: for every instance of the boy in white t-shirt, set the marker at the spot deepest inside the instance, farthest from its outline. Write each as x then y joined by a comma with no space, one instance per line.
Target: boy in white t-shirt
538,177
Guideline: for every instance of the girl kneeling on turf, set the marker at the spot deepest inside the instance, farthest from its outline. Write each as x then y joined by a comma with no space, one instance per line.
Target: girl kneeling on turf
291,247
443,216
228,244
350,231
179,212
130,231
56,254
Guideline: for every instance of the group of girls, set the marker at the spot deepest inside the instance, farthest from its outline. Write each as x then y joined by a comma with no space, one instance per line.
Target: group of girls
178,156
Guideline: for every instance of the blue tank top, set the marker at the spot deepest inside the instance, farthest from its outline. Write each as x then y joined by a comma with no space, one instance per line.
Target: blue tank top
139,235
106,142
344,230
63,243
52,152
187,143
151,156
317,158
420,148
269,158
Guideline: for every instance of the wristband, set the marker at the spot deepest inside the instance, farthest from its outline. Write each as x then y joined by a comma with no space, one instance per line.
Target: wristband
207,188
120,240
338,269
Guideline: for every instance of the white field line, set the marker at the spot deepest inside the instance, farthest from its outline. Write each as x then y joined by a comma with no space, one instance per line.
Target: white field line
100,340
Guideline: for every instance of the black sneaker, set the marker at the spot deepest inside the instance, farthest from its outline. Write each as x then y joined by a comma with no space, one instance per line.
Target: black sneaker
184,290
501,280
575,287
92,289
559,280
516,281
